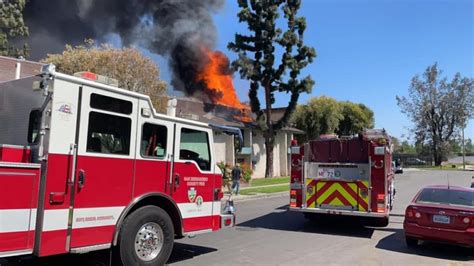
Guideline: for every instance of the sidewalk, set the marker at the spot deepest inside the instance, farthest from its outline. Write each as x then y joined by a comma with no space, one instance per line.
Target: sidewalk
240,197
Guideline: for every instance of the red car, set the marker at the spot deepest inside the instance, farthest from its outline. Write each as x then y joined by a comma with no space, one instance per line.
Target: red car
441,214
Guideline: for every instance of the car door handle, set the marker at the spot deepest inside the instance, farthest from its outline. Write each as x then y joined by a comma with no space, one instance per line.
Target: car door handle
82,179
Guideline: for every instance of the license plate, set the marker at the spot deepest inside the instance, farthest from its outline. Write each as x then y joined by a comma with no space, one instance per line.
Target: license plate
326,173
442,219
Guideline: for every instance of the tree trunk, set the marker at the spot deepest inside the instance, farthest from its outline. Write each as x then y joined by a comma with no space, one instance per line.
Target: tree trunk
269,134
437,156
269,152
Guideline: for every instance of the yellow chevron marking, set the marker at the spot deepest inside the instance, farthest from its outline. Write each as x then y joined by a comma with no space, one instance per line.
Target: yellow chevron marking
310,193
337,187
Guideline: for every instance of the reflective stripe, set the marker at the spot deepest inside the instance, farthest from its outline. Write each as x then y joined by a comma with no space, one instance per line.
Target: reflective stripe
55,220
340,194
93,217
16,220
192,210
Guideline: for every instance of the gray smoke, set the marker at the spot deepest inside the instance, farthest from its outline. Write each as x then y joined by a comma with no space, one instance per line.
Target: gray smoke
175,29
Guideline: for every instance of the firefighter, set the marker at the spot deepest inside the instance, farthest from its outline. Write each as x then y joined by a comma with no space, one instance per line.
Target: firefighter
236,175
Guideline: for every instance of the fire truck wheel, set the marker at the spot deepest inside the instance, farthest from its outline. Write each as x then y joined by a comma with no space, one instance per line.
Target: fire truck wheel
146,237
380,222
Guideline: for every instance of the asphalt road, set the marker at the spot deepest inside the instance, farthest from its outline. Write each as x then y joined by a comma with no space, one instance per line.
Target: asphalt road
266,233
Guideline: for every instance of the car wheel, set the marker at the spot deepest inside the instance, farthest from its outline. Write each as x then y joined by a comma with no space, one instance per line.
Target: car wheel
411,242
146,237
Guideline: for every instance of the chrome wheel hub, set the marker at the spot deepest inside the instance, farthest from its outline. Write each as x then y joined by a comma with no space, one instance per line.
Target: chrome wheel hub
149,241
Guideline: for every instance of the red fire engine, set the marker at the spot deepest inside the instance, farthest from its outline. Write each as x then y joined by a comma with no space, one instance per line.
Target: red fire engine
87,166
344,176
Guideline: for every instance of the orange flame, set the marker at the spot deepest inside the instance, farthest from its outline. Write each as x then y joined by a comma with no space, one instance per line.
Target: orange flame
218,79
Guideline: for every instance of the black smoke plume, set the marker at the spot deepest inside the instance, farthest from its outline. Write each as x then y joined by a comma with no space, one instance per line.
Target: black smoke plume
175,29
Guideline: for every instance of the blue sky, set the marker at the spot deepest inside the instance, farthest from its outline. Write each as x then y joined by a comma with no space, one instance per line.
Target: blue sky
368,50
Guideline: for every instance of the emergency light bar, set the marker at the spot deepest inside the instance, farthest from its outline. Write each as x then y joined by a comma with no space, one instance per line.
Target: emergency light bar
97,78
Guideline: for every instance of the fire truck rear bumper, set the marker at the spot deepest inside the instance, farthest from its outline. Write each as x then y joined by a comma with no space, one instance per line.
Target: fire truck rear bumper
339,212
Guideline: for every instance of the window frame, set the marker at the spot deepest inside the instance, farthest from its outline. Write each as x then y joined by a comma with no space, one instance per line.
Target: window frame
210,150
113,115
114,98
84,108
141,139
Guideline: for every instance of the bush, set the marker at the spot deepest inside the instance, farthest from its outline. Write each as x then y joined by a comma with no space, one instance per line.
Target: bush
246,173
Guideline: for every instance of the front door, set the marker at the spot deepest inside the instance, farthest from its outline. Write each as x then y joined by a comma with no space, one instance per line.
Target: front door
193,177
103,182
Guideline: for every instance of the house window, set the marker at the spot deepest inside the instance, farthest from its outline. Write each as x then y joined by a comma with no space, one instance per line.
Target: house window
153,142
194,146
111,104
108,134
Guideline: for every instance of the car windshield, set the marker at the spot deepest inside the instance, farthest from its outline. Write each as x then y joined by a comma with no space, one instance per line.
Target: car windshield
446,196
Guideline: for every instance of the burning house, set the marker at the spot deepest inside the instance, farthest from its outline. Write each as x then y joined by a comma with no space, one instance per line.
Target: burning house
181,32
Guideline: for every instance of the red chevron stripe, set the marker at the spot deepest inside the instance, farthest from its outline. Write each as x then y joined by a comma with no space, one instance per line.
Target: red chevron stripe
311,200
361,185
360,201
334,195
318,192
313,197
323,189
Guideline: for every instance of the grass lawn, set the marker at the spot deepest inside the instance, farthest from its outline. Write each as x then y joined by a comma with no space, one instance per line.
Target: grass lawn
269,181
273,189
443,167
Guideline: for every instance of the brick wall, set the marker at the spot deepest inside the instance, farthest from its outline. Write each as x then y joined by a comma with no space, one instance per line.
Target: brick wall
8,68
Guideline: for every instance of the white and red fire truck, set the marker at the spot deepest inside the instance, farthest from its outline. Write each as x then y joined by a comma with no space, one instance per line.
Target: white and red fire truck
86,166
344,176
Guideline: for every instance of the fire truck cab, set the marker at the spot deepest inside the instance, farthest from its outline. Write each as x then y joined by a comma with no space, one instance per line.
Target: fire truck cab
349,176
87,166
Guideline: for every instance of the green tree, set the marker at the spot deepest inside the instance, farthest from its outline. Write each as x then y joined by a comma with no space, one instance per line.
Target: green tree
134,71
438,108
257,61
356,117
406,147
321,115
469,146
12,26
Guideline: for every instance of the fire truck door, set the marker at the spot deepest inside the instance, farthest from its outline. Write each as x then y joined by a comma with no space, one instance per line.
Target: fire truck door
103,181
193,178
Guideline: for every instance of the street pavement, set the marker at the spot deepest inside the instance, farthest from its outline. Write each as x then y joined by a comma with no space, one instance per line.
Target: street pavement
267,234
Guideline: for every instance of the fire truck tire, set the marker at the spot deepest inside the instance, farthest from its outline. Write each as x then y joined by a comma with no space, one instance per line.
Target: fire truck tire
380,222
146,237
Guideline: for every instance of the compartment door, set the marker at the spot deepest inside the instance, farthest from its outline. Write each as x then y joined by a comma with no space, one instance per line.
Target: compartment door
18,205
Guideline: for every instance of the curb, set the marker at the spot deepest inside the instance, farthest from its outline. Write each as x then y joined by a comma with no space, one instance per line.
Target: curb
259,196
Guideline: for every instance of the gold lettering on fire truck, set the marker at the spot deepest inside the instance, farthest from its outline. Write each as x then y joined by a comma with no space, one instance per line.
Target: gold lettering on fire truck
196,181
94,218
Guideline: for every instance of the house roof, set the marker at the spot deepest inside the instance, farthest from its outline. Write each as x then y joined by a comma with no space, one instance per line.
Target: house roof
192,108
8,68
196,109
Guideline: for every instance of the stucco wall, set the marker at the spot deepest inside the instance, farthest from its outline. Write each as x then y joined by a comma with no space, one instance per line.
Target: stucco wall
221,148
280,156
224,147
